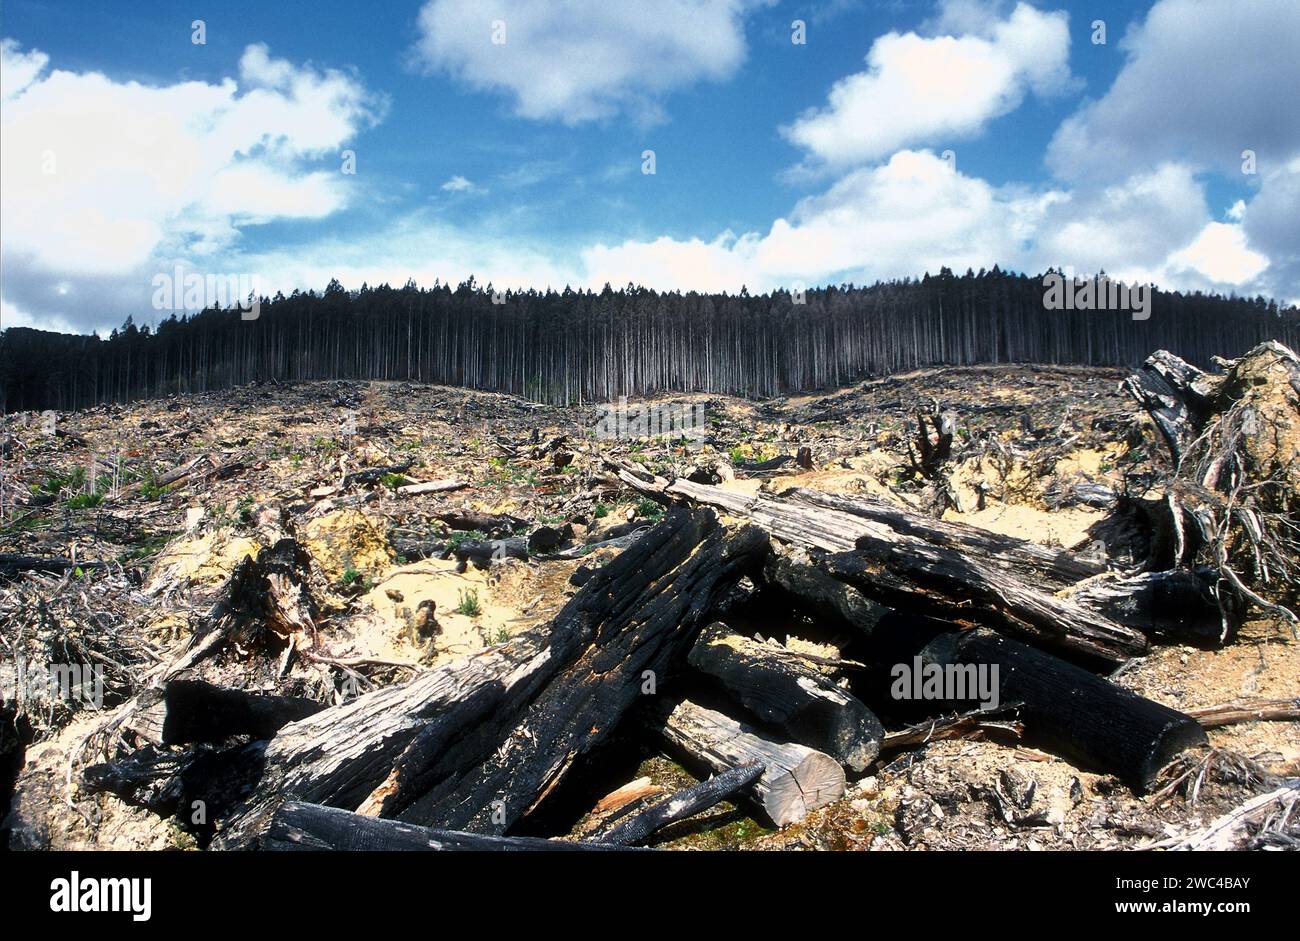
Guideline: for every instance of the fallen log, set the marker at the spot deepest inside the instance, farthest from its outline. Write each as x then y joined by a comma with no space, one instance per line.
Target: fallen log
297,826
796,779
1180,604
647,620
476,744
490,523
483,551
790,696
1074,713
685,803
167,478
11,564
992,564
793,572
1057,566
949,585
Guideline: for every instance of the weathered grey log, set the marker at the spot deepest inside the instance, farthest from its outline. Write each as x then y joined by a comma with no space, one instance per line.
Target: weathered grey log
505,725
936,567
1070,711
481,552
685,803
431,486
796,779
1057,566
927,580
790,695
834,522
297,826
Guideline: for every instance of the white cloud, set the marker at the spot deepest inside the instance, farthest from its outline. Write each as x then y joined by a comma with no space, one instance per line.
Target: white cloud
105,180
1270,224
914,213
582,60
458,184
415,246
931,90
1220,254
18,69
1128,229
1204,80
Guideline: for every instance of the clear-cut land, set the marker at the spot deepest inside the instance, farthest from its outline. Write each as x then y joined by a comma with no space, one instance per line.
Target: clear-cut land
473,620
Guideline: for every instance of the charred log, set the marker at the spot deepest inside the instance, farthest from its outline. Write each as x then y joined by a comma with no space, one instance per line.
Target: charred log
1079,715
790,696
297,826
685,803
476,744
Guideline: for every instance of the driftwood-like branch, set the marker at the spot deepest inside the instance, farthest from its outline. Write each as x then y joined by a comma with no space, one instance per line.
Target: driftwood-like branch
1247,710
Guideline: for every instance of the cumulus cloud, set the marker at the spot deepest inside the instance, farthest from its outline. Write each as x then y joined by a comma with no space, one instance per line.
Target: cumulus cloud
916,214
1271,224
582,60
912,214
1203,81
104,182
929,89
1221,254
1128,228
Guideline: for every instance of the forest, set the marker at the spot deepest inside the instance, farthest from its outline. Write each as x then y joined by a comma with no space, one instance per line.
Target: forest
586,346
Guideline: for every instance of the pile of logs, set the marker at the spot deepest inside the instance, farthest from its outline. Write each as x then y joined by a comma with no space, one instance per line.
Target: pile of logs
461,755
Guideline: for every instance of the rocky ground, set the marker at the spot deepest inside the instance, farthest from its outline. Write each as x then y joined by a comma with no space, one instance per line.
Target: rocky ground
156,503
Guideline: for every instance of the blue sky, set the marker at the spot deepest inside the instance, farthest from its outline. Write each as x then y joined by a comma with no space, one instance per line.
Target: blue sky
128,149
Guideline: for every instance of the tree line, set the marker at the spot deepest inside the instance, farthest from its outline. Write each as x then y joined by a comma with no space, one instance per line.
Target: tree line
593,346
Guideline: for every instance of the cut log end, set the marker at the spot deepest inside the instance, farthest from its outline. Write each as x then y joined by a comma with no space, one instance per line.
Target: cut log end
816,781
